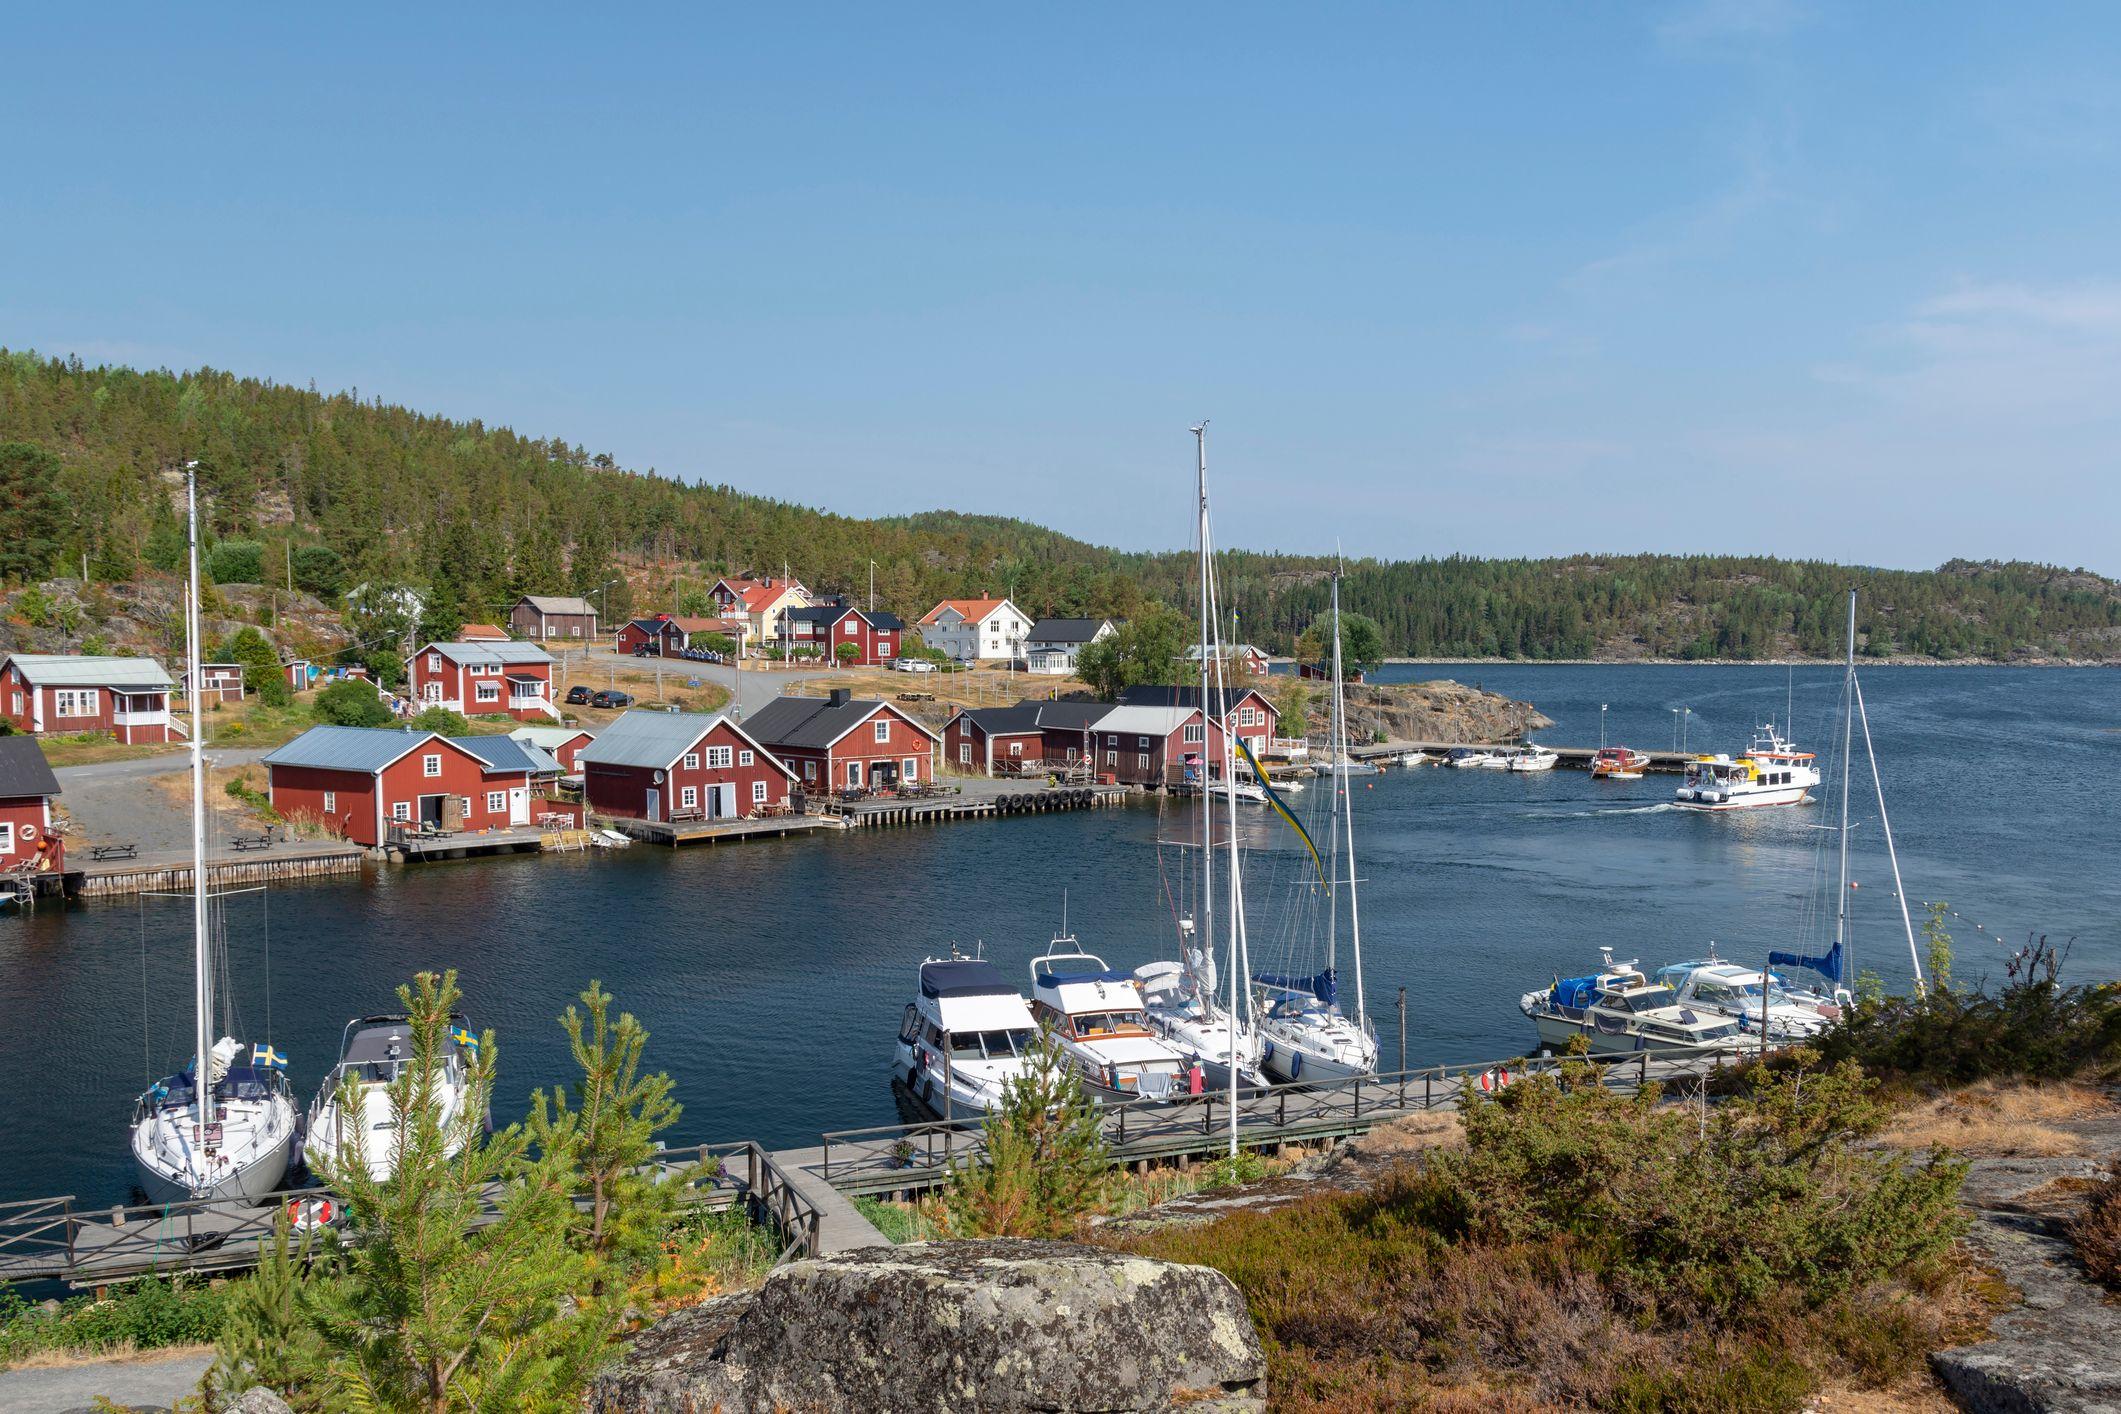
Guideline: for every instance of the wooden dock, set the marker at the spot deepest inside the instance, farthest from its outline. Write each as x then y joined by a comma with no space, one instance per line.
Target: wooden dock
1026,799
721,831
1575,757
170,872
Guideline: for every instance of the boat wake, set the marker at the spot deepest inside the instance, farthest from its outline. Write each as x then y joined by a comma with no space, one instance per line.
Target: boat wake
1595,811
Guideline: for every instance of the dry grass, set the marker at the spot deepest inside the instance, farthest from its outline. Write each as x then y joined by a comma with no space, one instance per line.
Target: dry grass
2096,1231
1993,1120
125,1352
175,787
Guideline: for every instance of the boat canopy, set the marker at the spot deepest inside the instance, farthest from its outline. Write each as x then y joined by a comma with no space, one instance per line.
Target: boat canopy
1831,966
1575,991
1069,979
1323,985
962,977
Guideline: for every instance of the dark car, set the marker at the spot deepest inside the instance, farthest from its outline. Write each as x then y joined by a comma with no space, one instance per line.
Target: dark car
577,695
648,650
612,697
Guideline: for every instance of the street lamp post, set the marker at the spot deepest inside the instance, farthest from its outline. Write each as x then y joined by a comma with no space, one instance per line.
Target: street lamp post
1686,719
1675,729
1601,726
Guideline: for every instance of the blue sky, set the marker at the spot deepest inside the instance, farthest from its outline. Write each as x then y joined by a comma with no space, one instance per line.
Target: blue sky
1731,275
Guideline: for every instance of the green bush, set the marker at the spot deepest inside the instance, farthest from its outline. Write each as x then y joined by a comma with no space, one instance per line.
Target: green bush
237,562
441,719
1045,1164
142,1315
351,702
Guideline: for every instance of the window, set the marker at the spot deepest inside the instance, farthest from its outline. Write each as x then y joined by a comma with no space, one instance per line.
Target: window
1141,761
692,760
758,792
331,802
910,768
1112,759
689,797
1194,733
847,627
854,773
489,692
810,767
1141,743
1016,748
7,836
467,806
718,758
401,810
964,753
496,801
74,702
746,757
883,732
434,662
431,765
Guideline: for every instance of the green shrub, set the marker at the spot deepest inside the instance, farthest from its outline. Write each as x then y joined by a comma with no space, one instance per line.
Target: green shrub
351,702
1045,1163
441,719
143,1315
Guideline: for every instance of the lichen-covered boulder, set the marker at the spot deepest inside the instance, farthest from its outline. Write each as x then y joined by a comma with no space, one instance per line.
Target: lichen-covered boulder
953,1326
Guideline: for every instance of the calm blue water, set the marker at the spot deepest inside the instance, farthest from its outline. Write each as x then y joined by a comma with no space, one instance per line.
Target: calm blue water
771,975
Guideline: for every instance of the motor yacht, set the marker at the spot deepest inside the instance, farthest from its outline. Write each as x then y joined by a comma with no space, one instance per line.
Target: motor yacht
1529,757
1098,1017
1750,998
353,1113
964,1037
1621,1012
1619,763
1771,772
1471,758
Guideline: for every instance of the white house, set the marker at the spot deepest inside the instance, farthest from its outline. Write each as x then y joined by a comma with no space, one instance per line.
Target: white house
977,630
1053,645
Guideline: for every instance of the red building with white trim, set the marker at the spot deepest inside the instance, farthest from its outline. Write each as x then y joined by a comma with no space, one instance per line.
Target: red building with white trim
680,766
822,628
27,786
484,679
839,741
127,698
360,781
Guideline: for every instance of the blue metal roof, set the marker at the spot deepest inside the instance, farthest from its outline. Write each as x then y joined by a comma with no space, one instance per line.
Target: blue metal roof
507,754
367,749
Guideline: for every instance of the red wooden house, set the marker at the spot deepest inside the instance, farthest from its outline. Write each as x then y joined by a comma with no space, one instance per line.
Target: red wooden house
675,766
1031,736
563,744
483,679
821,629
841,741
1252,717
360,781
222,683
1146,746
50,692
27,786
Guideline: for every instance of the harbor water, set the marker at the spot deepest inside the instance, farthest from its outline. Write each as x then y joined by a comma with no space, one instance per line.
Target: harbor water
771,975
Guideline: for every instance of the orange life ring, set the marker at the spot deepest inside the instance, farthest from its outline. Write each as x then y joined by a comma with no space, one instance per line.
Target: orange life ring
309,1212
29,832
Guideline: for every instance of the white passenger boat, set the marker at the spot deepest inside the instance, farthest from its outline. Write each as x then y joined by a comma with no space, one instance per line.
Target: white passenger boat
1620,1012
1749,997
1098,1018
964,1037
374,1052
1471,758
1529,757
1771,772
224,1127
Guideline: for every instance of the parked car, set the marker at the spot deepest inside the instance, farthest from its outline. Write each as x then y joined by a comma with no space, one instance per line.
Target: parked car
611,697
912,665
577,695
648,650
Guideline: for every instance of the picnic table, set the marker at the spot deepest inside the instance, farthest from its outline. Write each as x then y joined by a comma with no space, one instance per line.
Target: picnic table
262,840
679,817
101,852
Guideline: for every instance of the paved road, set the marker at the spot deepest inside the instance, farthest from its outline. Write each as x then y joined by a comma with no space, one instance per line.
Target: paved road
120,801
140,1381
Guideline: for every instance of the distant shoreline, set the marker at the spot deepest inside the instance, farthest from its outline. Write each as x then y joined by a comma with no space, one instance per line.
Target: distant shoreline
1896,661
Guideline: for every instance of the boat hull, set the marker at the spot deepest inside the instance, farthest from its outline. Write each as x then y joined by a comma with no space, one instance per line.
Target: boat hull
1286,1064
253,1183
1754,800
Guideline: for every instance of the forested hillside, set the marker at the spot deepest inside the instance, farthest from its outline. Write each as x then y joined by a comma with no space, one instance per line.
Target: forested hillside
330,491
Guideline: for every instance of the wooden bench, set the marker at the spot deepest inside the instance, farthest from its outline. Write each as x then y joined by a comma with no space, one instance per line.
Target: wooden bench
101,852
682,817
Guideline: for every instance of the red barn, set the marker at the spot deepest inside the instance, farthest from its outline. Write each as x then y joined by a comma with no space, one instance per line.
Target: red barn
1251,716
823,628
49,692
672,766
27,786
1146,746
839,741
359,781
484,679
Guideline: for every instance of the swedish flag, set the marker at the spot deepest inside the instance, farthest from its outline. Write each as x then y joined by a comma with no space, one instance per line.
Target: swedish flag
268,1057
1281,806
463,1037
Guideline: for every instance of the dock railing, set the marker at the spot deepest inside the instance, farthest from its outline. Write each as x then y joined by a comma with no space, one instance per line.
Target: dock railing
890,1158
55,1238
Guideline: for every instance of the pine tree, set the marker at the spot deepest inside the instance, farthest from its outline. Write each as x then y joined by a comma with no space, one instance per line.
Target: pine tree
1045,1162
34,511
453,1298
606,1138
267,1337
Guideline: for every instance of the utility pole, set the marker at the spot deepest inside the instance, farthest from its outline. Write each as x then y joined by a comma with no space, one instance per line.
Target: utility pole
1402,1030
872,586
1601,726
1686,719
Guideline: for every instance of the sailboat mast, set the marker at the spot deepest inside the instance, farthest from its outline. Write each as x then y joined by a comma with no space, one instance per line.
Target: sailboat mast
1347,782
1848,769
202,973
1336,782
1204,935
1885,827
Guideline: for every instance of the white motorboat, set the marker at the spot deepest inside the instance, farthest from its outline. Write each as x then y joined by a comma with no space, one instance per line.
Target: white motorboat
964,1037
1749,997
224,1127
1619,763
1471,758
1097,1016
1529,757
1304,1033
1620,1012
1186,1014
1346,765
1771,772
374,1052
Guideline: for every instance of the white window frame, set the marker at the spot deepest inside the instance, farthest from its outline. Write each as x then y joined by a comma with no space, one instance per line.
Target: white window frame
719,757
488,691
401,810
910,768
1195,734
1112,759
882,731
810,767
7,837
692,761
76,701
434,662
431,765
746,757
496,801
688,798
331,802
1016,748
854,773
758,792
964,753
1141,760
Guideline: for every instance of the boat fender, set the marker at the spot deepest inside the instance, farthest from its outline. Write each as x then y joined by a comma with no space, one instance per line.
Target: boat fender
1296,1064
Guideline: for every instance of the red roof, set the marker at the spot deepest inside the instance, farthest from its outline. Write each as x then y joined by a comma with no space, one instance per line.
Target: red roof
971,608
475,633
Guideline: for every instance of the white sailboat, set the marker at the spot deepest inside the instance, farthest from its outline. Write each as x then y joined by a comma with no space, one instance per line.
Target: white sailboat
1305,1033
1181,999
225,1126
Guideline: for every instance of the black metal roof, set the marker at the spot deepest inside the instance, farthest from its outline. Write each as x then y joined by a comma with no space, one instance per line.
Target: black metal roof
23,769
1065,630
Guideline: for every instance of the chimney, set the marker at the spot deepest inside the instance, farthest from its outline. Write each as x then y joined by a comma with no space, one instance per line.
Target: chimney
840,696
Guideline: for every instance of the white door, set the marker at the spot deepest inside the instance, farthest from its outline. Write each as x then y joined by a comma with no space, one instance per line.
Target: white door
723,802
655,804
519,806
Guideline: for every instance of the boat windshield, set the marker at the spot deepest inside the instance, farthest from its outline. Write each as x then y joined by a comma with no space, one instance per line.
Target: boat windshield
1641,1000
1109,1023
990,1045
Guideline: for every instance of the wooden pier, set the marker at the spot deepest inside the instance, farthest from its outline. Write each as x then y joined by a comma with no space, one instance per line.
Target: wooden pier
720,831
1575,757
172,872
1027,799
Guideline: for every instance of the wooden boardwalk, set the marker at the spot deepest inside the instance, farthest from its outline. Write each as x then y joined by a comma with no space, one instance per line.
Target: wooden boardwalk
721,831
169,871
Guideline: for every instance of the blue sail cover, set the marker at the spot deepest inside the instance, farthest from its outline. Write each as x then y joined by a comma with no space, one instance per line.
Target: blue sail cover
1325,985
1829,967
